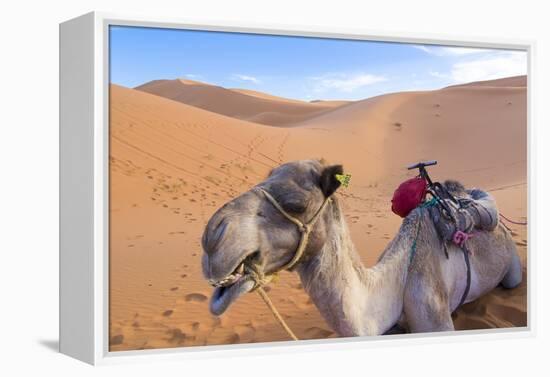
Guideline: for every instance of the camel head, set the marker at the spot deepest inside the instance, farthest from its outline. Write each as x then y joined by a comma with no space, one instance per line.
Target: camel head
249,235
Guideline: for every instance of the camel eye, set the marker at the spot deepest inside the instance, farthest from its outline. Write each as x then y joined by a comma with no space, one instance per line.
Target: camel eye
292,200
294,206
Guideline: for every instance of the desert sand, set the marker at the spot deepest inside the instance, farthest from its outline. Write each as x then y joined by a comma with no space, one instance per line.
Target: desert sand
181,149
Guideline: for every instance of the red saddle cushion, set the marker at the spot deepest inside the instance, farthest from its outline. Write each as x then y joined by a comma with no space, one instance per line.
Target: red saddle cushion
408,196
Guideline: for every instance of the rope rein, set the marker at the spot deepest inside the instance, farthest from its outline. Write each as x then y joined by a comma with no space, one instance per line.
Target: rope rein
276,314
305,229
512,221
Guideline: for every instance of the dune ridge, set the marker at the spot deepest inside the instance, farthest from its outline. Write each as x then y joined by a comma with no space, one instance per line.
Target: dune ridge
510,82
173,164
237,103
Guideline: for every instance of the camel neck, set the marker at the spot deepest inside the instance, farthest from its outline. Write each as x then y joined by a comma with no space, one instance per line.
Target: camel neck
355,300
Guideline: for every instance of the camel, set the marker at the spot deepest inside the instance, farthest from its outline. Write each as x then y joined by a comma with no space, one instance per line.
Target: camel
249,237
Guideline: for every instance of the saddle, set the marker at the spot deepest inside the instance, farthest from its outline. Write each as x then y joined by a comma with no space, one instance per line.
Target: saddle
467,211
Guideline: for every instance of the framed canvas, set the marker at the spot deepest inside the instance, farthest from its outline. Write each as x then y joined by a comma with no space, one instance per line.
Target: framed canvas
263,188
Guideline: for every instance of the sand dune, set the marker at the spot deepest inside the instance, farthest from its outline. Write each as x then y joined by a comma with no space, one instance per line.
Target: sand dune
507,82
469,130
335,103
255,93
242,104
173,165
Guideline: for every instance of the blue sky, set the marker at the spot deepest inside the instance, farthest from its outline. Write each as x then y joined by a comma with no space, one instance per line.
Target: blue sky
298,67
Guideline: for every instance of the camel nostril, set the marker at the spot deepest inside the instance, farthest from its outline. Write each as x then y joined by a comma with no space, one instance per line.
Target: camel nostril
254,258
213,238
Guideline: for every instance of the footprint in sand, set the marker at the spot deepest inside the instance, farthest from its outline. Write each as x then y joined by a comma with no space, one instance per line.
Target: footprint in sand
176,336
174,289
217,322
234,338
317,332
167,313
195,297
117,339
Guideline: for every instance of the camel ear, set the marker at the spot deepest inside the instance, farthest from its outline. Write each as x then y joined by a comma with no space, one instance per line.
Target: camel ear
329,184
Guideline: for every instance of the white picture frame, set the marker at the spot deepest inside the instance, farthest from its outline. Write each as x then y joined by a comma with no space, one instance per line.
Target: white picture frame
84,78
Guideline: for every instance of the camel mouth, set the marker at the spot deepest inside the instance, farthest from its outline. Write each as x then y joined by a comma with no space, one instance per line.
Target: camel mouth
230,288
235,284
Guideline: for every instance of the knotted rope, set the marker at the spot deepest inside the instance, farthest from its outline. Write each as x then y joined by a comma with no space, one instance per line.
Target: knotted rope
260,279
304,228
460,237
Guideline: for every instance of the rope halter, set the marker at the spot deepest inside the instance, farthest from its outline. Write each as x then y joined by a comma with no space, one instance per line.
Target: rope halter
304,228
261,279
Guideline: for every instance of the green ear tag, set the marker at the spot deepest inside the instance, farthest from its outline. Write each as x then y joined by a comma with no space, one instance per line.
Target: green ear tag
343,179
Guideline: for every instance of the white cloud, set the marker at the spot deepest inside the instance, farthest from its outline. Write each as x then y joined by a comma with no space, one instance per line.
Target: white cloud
485,65
193,76
458,51
344,82
422,48
440,75
240,77
451,51
489,67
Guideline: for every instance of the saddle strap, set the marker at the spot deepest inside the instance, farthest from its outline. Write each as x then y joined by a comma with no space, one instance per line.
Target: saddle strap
466,253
